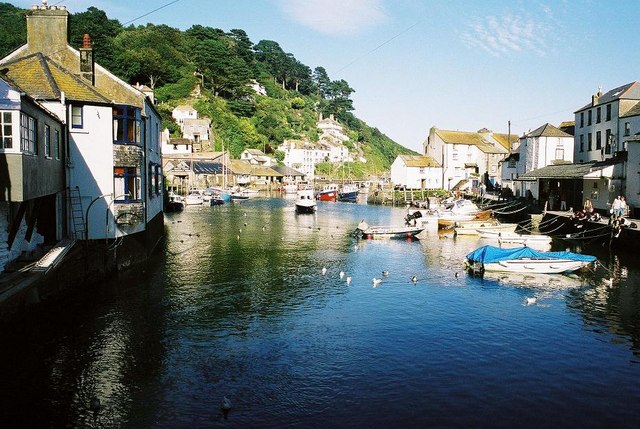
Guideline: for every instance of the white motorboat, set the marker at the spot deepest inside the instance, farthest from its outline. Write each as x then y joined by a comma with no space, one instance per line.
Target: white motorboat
478,227
305,201
515,238
526,260
194,198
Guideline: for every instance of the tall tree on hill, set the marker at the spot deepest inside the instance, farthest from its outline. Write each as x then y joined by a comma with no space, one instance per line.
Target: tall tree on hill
322,81
102,30
13,32
274,58
339,102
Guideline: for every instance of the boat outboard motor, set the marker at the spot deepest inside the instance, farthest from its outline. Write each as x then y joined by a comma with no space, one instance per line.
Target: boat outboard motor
412,216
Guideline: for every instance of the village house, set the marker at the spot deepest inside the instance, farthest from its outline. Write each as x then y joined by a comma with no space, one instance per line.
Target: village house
546,145
468,158
416,172
32,174
183,112
257,157
112,132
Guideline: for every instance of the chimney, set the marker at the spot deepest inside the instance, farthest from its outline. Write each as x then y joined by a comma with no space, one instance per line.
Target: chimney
47,29
87,67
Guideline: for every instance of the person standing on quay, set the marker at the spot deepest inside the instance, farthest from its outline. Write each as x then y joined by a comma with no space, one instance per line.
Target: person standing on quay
617,207
588,207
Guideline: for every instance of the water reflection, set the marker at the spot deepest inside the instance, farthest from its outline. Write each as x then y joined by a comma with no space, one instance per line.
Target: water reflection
237,305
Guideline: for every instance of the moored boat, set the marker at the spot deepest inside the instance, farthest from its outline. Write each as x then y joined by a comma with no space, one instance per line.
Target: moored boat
525,260
305,202
515,238
329,192
175,203
478,227
375,232
194,198
348,192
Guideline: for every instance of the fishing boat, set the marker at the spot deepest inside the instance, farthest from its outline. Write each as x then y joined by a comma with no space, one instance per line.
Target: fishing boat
329,192
375,232
525,260
348,192
305,201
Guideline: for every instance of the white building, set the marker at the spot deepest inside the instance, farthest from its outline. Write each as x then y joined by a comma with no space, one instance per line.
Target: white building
546,145
114,157
467,156
182,112
416,172
257,157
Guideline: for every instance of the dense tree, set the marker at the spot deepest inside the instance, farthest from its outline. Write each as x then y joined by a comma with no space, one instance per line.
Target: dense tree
102,31
321,81
13,31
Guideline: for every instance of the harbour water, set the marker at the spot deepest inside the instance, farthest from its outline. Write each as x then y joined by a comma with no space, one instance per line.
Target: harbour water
236,305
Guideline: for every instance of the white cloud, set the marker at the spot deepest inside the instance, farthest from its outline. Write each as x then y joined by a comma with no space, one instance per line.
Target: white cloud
507,35
335,17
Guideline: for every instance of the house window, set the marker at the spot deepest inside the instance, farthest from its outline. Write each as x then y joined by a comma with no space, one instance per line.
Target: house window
627,128
47,141
28,133
126,125
581,142
56,142
607,142
421,170
150,180
6,131
76,117
598,111
589,142
126,183
454,156
156,179
589,117
559,153
598,140
608,112
581,119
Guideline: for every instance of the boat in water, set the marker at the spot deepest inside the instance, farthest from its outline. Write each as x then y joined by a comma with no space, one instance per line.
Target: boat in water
329,192
375,232
531,240
525,260
193,199
348,192
480,226
305,201
175,203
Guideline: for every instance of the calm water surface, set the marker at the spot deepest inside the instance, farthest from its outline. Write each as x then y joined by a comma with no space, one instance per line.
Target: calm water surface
235,305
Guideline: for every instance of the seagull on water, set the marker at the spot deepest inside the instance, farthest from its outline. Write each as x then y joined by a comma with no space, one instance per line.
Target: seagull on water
348,280
385,273
376,282
341,274
324,270
531,300
225,407
414,279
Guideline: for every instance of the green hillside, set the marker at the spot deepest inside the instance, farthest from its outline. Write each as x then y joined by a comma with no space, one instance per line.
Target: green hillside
223,65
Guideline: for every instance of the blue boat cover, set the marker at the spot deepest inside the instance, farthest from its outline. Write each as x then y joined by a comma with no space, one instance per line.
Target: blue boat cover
488,254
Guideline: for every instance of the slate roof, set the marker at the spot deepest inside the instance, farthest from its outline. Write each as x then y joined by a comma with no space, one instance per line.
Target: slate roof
43,79
505,140
265,171
548,130
468,138
287,171
566,171
239,166
419,161
630,91
204,167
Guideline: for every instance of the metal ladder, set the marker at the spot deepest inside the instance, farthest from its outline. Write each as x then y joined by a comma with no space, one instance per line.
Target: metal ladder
77,214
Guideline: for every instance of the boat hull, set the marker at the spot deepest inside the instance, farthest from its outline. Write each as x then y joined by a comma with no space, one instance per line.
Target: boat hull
327,196
381,232
537,266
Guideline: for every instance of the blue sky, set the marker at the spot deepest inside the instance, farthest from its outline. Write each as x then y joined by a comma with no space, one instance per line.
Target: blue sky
456,65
